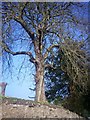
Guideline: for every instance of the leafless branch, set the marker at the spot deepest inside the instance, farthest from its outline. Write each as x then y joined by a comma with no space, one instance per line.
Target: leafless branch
24,25
49,49
7,49
32,89
49,66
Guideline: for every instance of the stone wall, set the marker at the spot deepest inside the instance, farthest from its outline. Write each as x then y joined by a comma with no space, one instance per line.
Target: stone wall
16,108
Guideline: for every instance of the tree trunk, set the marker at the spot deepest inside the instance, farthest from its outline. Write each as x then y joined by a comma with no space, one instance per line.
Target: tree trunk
40,88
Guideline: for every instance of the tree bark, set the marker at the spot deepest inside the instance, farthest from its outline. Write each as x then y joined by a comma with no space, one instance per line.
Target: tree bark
40,88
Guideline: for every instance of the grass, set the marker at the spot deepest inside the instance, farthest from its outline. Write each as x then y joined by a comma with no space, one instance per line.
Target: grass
1,96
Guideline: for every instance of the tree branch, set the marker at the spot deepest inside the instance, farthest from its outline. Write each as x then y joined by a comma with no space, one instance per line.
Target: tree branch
66,5
24,25
49,66
7,49
33,89
49,49
53,32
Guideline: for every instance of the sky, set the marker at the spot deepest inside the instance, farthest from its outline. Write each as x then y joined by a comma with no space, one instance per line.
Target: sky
19,90
19,84
19,75
20,80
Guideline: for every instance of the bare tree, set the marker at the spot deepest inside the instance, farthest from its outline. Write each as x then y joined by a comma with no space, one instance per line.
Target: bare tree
45,24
